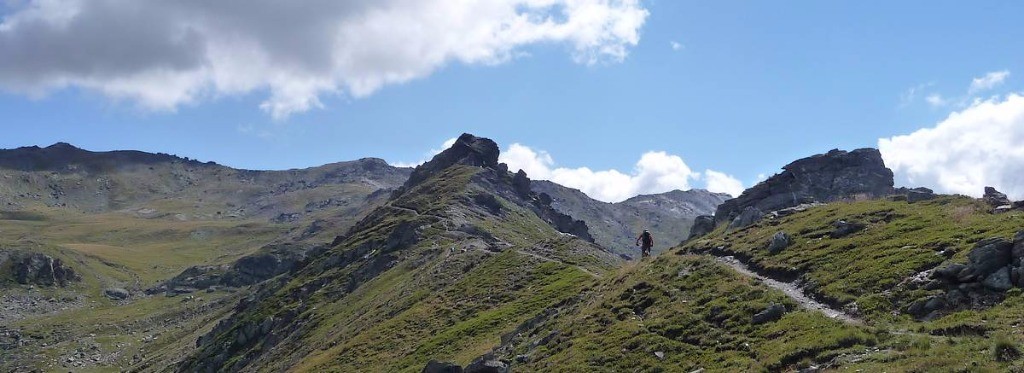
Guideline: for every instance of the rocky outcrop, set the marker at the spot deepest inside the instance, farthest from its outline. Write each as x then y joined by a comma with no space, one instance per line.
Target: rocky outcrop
993,266
828,177
995,198
702,225
116,293
468,150
435,366
919,194
270,261
747,217
30,268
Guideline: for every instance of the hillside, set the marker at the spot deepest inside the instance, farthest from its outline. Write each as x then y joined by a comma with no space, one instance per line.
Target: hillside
668,216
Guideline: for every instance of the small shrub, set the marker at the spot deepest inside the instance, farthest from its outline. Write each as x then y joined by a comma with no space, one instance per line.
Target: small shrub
1003,349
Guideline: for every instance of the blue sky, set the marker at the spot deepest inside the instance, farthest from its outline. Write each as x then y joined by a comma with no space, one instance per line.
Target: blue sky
740,88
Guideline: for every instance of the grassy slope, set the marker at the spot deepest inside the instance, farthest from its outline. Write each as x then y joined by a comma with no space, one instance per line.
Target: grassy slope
449,296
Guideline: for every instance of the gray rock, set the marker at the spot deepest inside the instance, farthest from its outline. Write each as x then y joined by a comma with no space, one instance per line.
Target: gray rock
989,255
749,216
949,272
487,366
772,313
998,280
843,228
1017,276
702,225
829,177
1017,253
956,297
41,269
116,293
995,198
919,194
435,366
780,241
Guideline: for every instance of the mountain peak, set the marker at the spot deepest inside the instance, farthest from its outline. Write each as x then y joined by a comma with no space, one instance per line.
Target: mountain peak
62,146
468,150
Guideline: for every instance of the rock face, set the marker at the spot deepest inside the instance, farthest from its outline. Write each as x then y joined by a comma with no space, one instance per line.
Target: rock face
702,225
995,198
747,217
269,261
826,177
994,266
919,194
468,150
435,366
40,269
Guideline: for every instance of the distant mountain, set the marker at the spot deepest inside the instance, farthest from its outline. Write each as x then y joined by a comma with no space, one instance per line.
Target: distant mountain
668,216
162,186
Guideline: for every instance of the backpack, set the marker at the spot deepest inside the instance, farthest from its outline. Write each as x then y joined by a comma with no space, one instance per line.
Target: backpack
647,239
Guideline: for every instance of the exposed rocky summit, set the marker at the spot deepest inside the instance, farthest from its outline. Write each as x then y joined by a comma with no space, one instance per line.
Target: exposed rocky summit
828,177
995,198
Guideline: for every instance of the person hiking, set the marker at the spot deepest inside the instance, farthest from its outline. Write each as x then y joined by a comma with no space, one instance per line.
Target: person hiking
647,242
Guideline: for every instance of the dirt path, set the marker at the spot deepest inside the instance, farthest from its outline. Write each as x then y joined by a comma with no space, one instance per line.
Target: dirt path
790,290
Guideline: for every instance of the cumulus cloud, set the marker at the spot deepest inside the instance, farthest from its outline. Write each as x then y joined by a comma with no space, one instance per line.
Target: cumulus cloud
655,172
976,147
676,45
162,54
987,82
722,183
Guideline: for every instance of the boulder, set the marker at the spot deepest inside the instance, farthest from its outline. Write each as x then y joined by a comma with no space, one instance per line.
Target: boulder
995,198
435,366
521,183
843,228
989,255
780,241
774,312
702,225
919,194
487,366
998,280
748,217
116,293
828,177
949,272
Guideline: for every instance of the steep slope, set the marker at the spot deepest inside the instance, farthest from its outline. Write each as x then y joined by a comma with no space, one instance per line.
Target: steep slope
615,226
458,256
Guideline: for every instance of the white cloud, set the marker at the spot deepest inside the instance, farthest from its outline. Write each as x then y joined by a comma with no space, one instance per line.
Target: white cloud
987,82
430,154
676,45
936,100
976,147
655,172
162,54
720,182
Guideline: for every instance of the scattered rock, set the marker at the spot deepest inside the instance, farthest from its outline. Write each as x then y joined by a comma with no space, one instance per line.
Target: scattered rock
116,293
995,198
660,355
843,228
772,313
780,241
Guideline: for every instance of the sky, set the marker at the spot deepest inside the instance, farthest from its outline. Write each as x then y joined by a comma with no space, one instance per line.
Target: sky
613,97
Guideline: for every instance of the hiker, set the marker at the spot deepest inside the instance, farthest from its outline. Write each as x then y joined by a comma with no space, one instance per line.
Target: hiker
648,241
